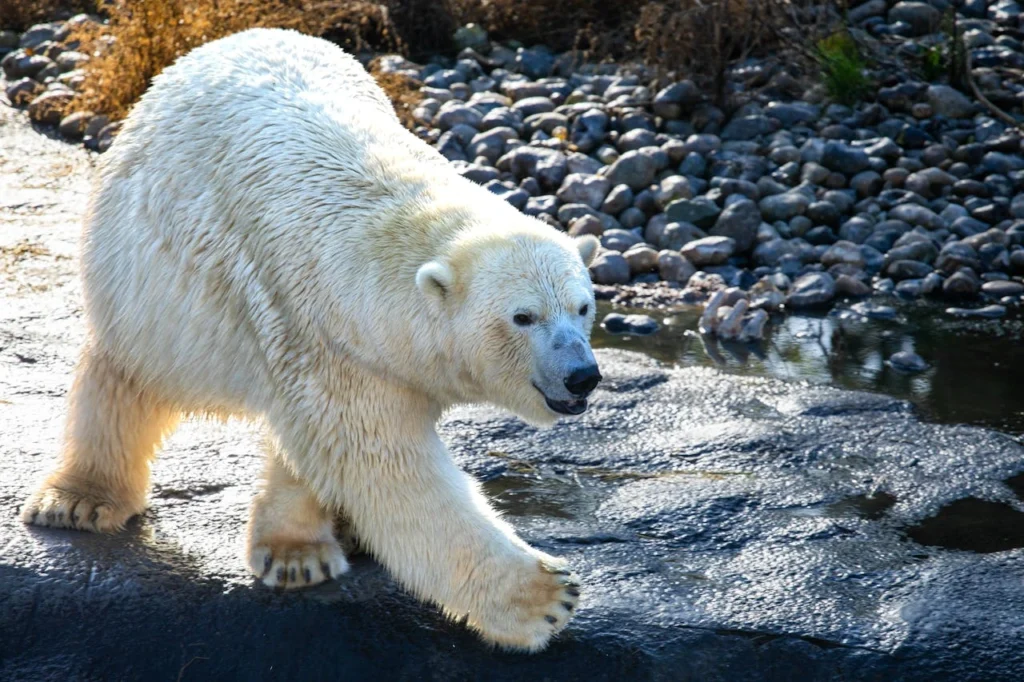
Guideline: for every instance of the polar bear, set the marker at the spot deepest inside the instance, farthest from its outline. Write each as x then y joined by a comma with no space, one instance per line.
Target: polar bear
266,239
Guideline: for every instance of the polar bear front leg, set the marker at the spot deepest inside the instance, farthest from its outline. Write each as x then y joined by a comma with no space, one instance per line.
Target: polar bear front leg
430,525
290,537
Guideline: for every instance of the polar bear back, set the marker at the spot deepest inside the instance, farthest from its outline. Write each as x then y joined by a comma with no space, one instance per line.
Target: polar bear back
261,191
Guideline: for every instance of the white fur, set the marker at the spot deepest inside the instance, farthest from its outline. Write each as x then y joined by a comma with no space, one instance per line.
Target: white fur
266,239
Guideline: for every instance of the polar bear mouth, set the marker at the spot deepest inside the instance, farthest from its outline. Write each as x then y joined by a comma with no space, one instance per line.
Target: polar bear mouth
572,407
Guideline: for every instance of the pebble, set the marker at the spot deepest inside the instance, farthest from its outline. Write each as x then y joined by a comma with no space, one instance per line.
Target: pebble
907,361
811,289
990,311
641,325
709,250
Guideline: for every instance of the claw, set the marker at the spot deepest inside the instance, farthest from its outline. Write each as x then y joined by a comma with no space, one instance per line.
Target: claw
573,593
267,563
308,575
551,619
567,606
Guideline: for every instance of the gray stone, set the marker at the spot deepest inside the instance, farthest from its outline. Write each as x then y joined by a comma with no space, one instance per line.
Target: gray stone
636,139
586,224
633,169
851,286
548,166
824,213
917,215
37,35
843,159
546,204
671,102
23,91
749,127
584,189
49,107
71,60
641,258
615,323
535,62
513,195
619,240
700,211
783,206
533,105
921,17
866,183
739,221
672,267
871,8
472,37
619,199
907,361
454,112
793,114
671,189
73,125
583,164
21,65
843,253
907,269
1004,287
856,230
709,250
988,312
772,251
610,268
676,235
961,284
812,289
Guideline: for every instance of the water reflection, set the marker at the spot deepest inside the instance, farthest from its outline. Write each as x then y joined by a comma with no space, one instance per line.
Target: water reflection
976,374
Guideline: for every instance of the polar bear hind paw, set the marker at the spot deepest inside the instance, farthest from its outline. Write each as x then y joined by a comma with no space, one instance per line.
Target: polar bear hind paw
57,508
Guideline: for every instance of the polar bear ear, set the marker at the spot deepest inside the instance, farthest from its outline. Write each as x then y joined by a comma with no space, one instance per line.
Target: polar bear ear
435,278
588,246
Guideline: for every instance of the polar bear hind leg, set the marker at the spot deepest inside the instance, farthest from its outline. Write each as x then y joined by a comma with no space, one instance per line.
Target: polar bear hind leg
290,538
114,427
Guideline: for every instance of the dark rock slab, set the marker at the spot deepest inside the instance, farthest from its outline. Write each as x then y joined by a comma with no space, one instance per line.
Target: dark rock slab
724,527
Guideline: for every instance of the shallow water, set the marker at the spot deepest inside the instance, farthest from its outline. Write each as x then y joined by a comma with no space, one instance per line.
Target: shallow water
976,373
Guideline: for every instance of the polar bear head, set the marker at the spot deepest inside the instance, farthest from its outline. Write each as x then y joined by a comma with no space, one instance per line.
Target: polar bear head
519,306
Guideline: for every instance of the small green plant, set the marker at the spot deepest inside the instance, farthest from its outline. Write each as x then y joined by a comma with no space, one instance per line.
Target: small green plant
843,68
933,63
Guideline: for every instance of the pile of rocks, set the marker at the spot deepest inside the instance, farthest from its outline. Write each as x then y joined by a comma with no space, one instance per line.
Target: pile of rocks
789,202
43,69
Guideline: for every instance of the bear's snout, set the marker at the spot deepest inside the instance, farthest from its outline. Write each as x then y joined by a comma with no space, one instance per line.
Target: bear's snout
583,380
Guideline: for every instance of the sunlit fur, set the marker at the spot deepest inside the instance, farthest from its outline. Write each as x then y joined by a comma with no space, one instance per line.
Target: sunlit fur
252,247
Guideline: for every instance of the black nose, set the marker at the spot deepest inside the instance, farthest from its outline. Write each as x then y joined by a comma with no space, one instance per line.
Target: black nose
583,380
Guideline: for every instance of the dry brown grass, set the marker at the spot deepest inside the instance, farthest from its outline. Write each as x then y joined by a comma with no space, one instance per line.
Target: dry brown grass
150,34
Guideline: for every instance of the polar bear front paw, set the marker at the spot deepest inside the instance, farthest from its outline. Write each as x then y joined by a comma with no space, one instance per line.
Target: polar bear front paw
290,565
533,608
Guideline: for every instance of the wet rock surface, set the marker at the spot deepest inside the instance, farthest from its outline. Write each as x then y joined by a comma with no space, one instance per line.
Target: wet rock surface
724,527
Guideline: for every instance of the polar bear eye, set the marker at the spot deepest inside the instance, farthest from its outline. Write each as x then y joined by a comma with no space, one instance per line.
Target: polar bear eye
585,309
522,319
